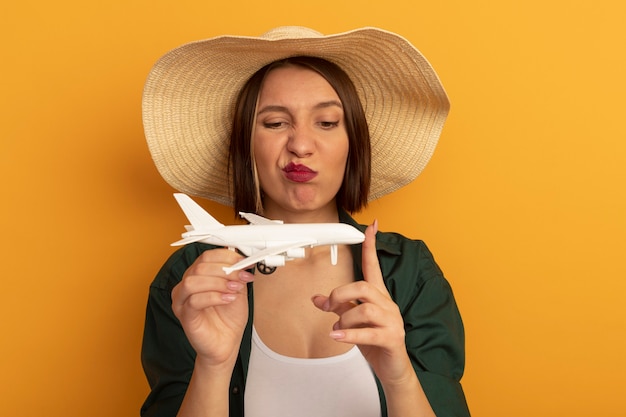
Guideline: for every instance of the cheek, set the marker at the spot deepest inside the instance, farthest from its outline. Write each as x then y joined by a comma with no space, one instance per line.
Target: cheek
265,157
341,157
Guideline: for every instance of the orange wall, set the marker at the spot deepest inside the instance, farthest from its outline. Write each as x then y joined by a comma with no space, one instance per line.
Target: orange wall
523,203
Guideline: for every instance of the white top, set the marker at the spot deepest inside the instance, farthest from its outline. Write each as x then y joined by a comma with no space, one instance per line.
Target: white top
282,386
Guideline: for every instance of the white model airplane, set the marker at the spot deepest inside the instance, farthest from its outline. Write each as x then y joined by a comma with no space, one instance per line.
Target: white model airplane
266,242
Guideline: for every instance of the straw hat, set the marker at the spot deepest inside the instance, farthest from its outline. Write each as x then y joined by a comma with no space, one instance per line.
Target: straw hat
189,97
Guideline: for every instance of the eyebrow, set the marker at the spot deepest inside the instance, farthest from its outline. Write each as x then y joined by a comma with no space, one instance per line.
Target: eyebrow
321,105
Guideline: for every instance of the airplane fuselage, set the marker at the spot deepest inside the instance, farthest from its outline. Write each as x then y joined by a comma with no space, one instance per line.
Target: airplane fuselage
264,236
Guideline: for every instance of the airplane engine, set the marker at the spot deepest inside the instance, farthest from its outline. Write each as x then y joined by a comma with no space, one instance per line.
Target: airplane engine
275,260
295,253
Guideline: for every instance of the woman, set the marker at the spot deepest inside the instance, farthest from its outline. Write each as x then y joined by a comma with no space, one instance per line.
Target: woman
378,333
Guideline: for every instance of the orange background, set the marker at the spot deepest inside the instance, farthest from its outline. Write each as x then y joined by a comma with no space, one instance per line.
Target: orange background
523,203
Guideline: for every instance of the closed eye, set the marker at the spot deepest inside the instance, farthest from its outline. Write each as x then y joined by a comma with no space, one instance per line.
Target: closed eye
329,125
273,125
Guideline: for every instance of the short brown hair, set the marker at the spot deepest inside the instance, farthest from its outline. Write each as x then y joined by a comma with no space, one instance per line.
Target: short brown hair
353,193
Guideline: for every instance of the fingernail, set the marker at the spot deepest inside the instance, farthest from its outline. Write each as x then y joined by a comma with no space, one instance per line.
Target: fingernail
246,276
324,306
229,297
234,285
337,334
375,224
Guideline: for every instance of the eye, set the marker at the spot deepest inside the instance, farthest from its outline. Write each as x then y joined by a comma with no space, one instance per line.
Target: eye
274,125
328,124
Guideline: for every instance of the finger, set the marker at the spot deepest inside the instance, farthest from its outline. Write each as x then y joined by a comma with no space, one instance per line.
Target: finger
211,264
197,287
385,315
363,315
196,293
366,336
323,303
371,266
358,292
199,283
368,327
204,300
207,281
214,256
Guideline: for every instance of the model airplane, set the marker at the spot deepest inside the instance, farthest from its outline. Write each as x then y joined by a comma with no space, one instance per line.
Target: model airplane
268,243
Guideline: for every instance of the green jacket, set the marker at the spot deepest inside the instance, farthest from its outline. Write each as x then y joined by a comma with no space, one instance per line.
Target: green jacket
434,330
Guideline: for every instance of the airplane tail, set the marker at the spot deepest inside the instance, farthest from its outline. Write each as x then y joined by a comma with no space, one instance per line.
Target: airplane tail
198,217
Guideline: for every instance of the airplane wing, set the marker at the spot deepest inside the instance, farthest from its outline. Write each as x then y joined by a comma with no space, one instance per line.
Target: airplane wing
188,240
262,254
256,219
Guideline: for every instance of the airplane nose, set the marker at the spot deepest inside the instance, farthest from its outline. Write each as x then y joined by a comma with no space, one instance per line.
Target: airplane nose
357,236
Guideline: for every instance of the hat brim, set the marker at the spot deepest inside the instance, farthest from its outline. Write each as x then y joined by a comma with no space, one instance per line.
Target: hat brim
190,93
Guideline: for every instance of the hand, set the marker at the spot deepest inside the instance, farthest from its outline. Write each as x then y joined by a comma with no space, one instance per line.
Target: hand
212,306
369,318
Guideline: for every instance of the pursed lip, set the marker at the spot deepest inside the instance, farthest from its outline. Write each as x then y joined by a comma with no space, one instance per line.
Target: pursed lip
298,172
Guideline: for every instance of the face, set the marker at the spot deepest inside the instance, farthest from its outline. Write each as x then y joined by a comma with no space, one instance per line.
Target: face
300,143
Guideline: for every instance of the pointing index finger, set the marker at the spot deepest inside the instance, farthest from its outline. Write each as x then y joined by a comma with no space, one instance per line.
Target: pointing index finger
371,266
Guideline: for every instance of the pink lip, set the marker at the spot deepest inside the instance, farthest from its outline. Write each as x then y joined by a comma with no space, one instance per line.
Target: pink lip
299,173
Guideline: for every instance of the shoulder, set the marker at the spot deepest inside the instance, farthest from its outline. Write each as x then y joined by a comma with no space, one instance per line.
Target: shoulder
412,276
401,258
407,259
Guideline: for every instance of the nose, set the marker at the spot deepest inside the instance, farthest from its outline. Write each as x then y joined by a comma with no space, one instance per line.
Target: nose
301,141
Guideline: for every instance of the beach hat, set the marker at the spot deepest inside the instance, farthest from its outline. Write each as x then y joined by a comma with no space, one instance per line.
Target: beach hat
189,97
